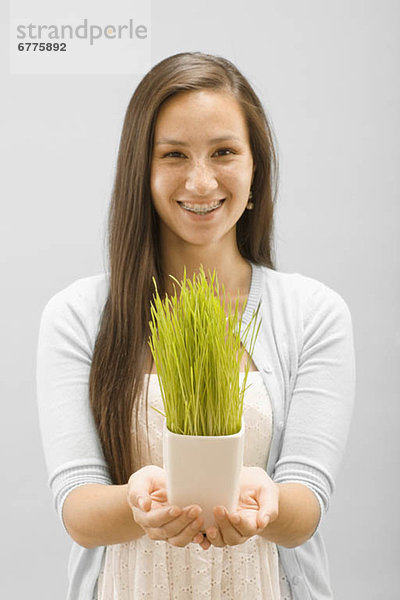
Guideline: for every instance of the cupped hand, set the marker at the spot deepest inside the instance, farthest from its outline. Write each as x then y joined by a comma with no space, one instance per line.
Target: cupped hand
147,497
257,507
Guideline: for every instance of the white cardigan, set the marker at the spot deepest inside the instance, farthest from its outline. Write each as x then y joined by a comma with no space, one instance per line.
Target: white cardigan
305,354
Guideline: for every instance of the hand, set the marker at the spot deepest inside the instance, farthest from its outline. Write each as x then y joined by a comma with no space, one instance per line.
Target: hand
257,507
147,497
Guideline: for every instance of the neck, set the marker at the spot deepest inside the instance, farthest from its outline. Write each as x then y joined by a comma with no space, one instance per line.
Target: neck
232,270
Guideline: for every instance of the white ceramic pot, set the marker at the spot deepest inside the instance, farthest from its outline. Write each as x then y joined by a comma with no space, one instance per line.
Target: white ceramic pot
203,470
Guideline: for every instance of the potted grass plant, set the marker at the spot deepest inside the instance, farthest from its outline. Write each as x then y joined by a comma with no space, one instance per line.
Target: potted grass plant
196,344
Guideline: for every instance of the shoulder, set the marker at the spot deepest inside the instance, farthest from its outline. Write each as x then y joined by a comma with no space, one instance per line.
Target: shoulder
297,292
77,307
88,293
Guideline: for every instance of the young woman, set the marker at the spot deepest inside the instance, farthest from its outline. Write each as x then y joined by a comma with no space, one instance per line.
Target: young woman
195,184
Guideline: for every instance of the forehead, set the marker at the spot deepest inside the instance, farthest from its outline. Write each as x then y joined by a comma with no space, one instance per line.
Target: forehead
201,112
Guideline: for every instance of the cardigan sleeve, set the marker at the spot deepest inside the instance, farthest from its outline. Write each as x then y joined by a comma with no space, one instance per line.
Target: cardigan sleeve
322,399
70,442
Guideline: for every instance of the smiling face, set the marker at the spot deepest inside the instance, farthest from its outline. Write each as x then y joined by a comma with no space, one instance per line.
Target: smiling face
202,168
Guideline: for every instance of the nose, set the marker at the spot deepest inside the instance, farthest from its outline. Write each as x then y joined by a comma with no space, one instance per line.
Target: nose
201,180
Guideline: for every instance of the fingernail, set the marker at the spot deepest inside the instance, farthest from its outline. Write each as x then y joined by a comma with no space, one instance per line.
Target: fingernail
212,533
235,519
174,511
192,512
264,519
198,539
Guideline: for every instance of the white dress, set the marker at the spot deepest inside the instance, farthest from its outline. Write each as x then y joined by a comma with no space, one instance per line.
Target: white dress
155,570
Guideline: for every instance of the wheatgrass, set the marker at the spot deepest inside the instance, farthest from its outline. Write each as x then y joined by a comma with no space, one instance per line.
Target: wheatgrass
197,351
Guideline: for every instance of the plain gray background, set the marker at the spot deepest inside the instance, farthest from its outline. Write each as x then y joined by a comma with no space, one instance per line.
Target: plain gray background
328,75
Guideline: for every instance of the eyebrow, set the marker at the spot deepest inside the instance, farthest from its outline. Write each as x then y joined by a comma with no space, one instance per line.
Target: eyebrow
217,140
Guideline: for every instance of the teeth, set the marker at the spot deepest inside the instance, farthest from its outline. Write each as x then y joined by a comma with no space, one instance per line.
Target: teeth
201,208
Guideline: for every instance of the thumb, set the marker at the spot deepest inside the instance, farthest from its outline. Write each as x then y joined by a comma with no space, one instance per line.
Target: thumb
138,496
268,502
144,502
139,500
143,483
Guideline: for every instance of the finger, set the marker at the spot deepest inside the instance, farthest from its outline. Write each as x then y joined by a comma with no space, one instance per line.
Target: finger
202,540
178,528
215,533
205,544
185,536
214,537
139,498
144,482
159,495
198,538
268,501
175,527
144,503
230,535
158,517
263,519
246,527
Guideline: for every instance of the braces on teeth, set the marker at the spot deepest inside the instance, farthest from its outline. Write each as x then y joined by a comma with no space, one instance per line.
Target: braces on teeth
202,211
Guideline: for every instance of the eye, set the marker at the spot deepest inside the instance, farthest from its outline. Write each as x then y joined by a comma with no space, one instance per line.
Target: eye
174,154
224,152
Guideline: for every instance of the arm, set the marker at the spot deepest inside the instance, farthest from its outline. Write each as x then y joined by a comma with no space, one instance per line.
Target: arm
286,513
99,515
298,516
322,397
70,442
94,512
314,439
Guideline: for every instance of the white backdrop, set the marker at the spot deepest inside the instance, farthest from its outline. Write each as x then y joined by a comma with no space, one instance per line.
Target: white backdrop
328,74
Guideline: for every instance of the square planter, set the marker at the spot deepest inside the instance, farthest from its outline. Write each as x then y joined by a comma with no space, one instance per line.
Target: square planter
203,470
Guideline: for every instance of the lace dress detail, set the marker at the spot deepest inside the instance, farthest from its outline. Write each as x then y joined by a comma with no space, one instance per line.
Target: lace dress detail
155,570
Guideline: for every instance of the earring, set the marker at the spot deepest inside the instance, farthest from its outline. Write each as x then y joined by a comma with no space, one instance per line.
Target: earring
250,205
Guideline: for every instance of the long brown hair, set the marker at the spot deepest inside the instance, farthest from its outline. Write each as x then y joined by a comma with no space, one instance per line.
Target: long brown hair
119,359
